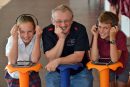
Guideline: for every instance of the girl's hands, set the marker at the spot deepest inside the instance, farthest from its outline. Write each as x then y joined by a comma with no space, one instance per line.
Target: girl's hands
15,31
38,32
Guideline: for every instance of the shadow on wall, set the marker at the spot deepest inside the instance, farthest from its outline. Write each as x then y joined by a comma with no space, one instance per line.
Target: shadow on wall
8,13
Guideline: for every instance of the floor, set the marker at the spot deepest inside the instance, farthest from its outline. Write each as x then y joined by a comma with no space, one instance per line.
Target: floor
85,12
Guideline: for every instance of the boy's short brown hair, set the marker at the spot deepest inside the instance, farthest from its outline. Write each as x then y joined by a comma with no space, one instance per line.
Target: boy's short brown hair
108,17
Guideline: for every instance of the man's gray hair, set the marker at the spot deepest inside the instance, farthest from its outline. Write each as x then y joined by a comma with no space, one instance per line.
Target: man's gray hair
62,8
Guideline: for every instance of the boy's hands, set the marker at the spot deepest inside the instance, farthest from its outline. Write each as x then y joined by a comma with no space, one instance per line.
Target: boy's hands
94,31
113,32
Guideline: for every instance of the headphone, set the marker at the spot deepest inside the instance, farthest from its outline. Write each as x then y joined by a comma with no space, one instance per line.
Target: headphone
30,15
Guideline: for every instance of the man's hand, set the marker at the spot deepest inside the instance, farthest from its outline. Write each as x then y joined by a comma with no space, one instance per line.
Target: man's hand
51,66
59,32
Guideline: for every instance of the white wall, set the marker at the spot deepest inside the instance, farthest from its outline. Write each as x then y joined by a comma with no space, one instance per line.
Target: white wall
124,22
106,5
125,25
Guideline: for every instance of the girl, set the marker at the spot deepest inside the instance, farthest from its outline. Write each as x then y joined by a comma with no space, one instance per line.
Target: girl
24,45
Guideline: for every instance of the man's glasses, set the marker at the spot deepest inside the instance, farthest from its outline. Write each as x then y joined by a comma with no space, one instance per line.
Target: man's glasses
62,21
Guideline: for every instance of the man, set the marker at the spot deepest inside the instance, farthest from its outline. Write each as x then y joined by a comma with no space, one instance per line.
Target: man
65,42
